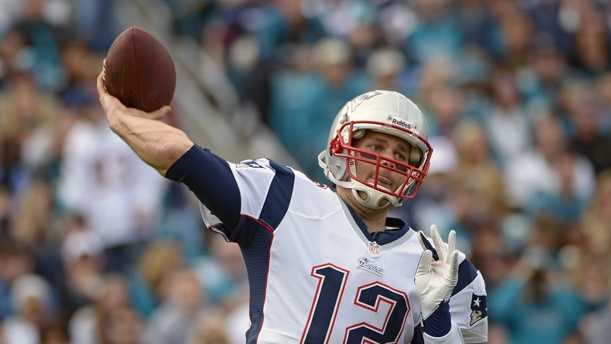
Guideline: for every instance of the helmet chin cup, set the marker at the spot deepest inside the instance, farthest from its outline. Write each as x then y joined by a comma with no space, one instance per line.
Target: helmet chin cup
373,199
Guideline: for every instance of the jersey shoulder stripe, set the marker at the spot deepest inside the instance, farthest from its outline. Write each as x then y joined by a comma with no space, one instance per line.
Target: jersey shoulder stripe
257,255
466,274
279,195
265,191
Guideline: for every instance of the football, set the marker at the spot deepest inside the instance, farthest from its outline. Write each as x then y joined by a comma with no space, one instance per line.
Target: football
139,71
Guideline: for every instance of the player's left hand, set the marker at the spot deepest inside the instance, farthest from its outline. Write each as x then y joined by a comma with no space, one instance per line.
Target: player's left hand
435,279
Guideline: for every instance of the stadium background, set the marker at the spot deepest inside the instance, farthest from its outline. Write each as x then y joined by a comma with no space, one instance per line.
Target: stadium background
97,248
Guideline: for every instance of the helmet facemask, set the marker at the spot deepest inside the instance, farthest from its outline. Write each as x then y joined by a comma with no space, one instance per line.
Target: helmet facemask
384,112
380,189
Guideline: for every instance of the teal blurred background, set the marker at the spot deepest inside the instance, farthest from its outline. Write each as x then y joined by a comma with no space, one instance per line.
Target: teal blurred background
95,247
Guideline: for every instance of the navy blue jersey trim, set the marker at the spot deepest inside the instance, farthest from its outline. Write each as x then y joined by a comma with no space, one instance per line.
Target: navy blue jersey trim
256,236
439,323
418,338
257,257
211,180
381,237
279,195
466,274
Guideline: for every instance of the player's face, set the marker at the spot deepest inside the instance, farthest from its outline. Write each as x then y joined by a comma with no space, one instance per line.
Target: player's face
389,147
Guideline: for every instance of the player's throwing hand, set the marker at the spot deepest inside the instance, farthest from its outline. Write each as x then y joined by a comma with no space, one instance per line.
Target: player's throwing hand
114,108
156,143
435,279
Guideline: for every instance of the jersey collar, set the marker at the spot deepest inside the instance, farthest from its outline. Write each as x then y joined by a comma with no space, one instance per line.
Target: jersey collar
395,234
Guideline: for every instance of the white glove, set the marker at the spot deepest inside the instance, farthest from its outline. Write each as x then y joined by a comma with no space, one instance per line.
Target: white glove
435,279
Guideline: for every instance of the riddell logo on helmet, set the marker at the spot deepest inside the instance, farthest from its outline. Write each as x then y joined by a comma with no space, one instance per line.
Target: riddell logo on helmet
401,123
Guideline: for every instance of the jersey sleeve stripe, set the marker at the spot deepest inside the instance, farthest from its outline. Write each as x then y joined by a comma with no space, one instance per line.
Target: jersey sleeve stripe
466,274
257,258
279,195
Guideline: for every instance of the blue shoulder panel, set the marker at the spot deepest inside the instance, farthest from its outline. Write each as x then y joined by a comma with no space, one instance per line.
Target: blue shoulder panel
466,274
279,195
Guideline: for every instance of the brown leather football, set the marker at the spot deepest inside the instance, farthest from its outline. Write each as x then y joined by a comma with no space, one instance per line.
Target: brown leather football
139,71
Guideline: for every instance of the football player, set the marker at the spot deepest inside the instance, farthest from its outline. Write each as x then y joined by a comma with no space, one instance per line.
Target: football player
326,264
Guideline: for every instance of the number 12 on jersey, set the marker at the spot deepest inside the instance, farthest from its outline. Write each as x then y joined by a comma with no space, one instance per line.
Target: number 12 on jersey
332,281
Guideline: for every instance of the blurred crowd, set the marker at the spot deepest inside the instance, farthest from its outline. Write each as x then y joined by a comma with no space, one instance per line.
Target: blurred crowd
95,247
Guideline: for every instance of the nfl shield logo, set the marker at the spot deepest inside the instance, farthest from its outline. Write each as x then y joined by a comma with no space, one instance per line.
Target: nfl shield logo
374,248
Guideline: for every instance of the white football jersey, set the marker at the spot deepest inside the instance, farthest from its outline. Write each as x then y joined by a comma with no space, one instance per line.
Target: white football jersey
317,276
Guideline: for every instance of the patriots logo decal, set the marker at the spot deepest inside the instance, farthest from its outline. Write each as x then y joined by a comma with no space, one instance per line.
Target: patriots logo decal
479,309
358,101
